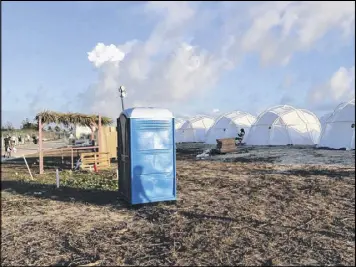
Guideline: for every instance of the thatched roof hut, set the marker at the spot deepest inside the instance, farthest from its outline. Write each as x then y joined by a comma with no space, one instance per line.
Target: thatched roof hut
72,119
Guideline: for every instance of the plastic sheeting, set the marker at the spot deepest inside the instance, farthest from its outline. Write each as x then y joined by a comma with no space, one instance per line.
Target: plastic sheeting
284,125
229,125
339,130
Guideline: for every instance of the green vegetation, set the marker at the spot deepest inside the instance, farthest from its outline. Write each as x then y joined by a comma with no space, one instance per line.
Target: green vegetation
104,180
27,125
101,181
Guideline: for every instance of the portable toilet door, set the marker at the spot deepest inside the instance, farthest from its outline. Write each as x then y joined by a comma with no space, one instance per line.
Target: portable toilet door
147,167
123,156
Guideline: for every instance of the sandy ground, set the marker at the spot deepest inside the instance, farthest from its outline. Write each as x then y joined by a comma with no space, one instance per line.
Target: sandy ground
281,155
292,155
31,148
259,209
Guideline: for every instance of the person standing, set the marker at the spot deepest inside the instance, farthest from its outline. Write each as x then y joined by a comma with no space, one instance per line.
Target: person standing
240,136
7,145
12,145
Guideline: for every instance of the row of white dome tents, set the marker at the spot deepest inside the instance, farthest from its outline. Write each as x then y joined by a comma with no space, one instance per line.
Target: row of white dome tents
339,127
280,125
284,125
206,129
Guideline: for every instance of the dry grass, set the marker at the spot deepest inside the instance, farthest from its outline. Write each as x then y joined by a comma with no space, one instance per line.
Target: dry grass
226,214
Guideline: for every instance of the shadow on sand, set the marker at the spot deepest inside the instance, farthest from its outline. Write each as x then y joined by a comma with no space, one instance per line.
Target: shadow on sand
49,162
70,194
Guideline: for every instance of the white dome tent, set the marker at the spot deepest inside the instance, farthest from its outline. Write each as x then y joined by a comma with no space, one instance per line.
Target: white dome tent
339,130
228,125
285,125
323,119
194,129
178,123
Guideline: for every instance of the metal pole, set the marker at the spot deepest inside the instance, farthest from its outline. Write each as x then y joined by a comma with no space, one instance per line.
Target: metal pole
122,103
72,158
122,91
40,143
99,134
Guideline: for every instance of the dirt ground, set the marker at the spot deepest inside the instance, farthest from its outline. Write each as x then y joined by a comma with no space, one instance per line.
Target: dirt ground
249,211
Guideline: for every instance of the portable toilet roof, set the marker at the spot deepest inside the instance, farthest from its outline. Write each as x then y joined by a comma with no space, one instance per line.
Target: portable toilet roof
339,130
283,125
194,129
228,125
148,113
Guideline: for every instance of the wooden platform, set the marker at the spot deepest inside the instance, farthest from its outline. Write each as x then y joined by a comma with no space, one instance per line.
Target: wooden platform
100,159
226,145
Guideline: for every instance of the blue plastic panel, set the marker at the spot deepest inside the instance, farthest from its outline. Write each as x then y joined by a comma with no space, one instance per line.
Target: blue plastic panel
152,161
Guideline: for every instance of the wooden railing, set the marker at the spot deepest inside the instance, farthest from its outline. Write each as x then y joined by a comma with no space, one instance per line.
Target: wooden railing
92,160
62,151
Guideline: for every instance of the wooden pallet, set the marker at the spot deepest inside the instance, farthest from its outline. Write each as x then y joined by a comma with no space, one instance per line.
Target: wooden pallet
100,159
225,145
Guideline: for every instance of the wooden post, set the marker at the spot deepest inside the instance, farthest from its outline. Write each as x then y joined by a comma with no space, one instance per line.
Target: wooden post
57,178
40,143
28,168
99,134
95,163
72,159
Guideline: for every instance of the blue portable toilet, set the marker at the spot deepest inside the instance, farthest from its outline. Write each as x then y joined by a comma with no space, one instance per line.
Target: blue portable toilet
146,155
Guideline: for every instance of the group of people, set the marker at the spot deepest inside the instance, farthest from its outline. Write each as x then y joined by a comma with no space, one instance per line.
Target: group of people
9,144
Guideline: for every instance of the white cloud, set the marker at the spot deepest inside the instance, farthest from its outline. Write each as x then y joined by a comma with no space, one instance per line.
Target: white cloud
279,29
340,87
164,70
342,83
167,70
102,54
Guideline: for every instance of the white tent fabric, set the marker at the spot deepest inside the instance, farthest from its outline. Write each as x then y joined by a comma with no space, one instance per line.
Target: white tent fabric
339,131
283,125
228,126
178,123
323,119
194,130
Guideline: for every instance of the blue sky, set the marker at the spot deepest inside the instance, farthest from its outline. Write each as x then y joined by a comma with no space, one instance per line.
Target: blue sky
240,48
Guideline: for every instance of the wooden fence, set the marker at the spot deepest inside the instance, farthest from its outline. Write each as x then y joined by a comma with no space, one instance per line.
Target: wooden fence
99,159
66,150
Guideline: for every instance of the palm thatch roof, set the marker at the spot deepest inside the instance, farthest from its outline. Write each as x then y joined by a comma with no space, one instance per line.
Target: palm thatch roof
72,118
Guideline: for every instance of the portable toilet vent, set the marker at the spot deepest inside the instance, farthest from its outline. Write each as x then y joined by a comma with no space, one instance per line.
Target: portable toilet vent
146,155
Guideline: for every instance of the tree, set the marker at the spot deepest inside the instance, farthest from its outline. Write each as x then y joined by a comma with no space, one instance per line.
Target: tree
9,126
27,125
